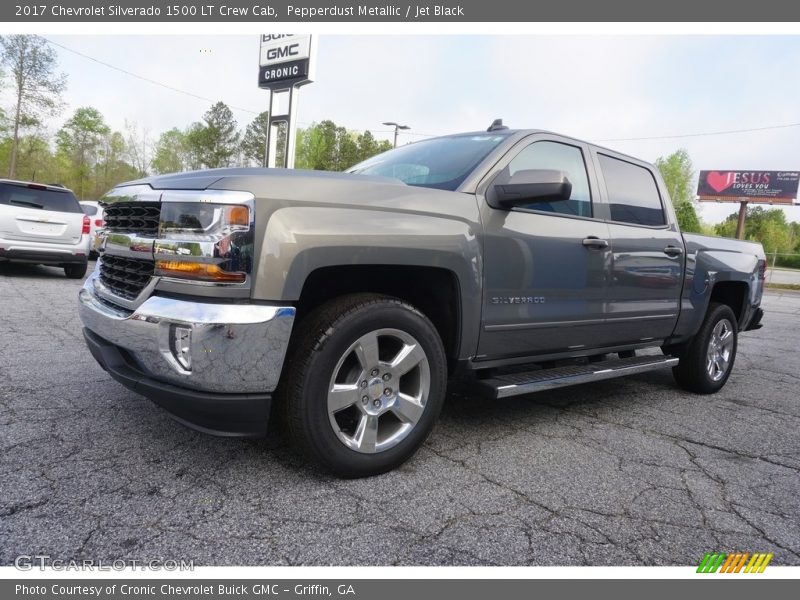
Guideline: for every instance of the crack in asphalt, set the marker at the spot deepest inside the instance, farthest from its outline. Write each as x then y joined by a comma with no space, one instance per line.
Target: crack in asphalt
630,471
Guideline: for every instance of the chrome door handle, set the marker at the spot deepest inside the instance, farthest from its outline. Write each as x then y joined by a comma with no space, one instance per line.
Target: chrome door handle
673,251
595,243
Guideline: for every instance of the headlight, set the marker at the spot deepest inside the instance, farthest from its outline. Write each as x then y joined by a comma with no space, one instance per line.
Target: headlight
201,221
205,242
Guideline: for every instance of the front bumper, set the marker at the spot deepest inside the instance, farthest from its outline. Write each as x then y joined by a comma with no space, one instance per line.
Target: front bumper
234,415
235,351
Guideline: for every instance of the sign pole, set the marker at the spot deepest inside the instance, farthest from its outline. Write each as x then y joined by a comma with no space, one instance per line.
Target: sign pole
286,62
266,133
742,217
291,128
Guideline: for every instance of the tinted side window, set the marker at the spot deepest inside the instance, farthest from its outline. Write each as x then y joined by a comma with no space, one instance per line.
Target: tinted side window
632,193
41,198
559,157
89,209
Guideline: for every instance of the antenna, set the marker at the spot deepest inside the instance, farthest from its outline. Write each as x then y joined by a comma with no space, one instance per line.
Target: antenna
497,125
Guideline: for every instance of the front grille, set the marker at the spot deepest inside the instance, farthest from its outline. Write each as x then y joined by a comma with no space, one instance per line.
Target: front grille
125,277
139,217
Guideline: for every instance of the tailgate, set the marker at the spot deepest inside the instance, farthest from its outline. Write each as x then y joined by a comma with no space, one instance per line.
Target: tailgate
39,214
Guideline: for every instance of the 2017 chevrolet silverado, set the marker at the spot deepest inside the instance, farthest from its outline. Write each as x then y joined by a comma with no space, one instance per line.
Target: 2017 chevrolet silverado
522,260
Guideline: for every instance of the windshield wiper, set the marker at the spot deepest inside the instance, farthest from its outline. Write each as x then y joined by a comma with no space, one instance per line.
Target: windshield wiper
26,203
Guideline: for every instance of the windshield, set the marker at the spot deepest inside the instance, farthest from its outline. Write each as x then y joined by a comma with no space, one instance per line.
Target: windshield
36,196
441,163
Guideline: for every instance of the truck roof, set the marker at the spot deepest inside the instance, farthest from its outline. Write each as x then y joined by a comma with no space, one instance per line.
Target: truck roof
521,133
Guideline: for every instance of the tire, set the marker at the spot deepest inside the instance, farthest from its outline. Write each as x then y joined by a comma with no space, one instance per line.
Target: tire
75,271
344,405
707,360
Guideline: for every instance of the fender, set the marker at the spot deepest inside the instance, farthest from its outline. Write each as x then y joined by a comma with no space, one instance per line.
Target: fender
706,268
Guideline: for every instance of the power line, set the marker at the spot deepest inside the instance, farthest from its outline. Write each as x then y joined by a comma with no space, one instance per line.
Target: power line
147,79
414,133
704,134
185,92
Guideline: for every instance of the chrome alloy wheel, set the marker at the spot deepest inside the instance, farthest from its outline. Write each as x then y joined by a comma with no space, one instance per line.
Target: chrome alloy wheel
720,350
378,390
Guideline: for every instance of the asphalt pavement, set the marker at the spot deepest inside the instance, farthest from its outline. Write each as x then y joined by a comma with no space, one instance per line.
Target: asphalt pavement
630,471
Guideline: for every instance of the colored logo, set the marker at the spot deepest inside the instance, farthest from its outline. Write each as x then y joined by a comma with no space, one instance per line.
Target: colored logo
719,181
744,562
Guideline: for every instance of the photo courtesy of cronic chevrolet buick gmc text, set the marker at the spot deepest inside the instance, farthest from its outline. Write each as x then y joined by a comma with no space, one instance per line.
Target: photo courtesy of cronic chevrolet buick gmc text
344,302
43,225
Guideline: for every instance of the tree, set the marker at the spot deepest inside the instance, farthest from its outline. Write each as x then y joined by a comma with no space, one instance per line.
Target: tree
78,143
766,226
171,155
137,147
215,142
678,174
37,86
329,147
255,138
34,158
194,139
113,165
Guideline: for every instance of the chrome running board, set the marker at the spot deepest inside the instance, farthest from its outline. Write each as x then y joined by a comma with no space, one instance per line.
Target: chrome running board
503,386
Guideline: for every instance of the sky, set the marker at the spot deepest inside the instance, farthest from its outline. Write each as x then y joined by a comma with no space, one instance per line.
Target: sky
601,89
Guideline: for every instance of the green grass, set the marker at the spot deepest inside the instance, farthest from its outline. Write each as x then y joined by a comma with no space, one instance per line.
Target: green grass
783,286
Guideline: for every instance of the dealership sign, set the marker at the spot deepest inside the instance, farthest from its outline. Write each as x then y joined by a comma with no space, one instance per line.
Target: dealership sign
773,187
285,61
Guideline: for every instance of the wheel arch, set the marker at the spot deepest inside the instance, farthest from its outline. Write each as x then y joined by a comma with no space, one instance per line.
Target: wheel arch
434,291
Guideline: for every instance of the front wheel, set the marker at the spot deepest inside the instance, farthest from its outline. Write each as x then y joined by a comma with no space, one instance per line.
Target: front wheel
707,361
364,384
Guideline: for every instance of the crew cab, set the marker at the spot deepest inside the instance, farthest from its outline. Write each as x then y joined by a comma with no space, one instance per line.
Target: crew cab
516,260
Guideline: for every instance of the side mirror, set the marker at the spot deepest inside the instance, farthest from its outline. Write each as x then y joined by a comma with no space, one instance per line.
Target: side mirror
533,185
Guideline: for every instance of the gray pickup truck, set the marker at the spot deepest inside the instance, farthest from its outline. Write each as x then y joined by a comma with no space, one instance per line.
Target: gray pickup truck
518,261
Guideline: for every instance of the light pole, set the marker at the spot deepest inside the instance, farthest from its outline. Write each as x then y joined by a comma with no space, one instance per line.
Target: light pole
396,128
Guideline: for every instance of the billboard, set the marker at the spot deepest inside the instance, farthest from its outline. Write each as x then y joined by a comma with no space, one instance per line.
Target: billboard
769,187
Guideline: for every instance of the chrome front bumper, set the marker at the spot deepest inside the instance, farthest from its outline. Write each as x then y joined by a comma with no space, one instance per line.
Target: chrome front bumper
233,348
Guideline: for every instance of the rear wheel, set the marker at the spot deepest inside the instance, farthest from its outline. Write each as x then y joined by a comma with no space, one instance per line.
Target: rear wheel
75,271
365,383
707,361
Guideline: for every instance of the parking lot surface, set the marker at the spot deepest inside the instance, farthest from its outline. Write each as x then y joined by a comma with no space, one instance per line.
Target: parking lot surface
623,472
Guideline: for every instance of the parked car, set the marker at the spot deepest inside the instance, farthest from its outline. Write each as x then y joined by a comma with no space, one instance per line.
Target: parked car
43,224
519,261
94,210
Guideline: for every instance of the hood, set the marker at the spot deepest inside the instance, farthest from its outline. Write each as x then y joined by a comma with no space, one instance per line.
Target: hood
201,180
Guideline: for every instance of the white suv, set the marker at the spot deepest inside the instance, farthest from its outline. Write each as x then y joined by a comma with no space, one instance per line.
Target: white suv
43,224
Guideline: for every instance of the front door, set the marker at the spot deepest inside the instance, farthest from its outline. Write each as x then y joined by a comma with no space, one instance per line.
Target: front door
546,265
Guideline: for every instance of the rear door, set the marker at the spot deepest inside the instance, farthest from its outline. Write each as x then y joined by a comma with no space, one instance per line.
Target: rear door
647,251
31,212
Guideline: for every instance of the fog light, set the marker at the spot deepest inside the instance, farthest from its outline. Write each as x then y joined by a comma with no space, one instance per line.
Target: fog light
182,346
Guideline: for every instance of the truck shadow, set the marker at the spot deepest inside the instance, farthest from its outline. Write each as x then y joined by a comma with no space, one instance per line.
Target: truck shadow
470,417
26,271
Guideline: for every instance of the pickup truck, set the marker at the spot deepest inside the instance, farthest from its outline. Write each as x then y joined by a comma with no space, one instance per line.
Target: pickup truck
515,260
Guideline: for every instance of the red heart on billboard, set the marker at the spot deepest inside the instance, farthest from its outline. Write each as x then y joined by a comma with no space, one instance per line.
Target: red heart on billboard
719,181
